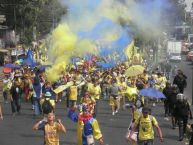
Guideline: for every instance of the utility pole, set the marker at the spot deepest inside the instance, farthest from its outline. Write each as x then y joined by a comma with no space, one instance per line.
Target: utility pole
191,16
15,19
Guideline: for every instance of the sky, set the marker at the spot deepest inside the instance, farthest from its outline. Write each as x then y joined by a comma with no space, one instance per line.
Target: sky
189,4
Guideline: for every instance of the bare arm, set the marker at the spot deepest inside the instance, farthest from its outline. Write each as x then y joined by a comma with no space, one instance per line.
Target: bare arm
61,126
36,126
159,132
1,113
132,131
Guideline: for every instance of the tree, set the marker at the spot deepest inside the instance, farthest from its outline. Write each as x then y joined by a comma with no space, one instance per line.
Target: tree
31,18
38,19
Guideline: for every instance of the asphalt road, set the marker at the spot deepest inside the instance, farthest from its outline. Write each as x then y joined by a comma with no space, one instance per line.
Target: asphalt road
18,130
187,68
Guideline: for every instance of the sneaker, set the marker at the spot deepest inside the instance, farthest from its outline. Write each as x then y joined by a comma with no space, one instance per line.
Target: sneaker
181,139
116,111
113,113
166,118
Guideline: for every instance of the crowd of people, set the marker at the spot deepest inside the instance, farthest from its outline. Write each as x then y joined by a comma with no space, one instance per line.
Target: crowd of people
88,86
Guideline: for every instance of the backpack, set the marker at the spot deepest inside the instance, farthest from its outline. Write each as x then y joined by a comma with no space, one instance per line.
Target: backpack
150,117
47,107
182,108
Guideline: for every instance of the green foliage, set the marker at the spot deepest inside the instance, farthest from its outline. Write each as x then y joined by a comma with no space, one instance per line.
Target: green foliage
32,17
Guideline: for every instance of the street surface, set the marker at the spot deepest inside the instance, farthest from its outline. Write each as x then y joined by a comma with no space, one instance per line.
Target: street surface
18,130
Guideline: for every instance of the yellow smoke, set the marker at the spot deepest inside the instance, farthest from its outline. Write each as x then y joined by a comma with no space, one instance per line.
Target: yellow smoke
85,46
63,41
62,45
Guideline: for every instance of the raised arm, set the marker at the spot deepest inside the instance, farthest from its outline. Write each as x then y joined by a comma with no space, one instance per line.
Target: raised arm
39,125
61,126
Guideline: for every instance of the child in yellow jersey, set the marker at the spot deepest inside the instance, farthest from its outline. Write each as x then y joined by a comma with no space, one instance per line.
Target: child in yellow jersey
51,129
145,123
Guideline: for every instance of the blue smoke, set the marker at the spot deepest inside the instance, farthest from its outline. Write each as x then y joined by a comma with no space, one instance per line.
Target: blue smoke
112,49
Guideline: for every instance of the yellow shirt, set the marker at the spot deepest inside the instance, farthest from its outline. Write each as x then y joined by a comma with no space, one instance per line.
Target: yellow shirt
159,80
146,77
6,85
123,87
95,92
164,80
146,131
52,134
117,79
73,93
89,87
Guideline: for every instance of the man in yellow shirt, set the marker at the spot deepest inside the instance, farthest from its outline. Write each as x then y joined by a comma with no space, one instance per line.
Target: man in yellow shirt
123,87
73,94
51,129
95,92
145,123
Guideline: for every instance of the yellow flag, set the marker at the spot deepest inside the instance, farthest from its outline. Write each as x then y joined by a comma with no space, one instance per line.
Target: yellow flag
129,50
62,87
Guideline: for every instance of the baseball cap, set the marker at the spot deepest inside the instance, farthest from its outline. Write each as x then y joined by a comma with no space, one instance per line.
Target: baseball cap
48,94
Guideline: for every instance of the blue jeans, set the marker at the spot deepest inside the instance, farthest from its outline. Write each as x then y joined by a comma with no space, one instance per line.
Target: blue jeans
5,94
96,108
16,105
145,142
37,106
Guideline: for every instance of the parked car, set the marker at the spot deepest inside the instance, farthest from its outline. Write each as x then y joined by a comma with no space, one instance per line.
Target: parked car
175,57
